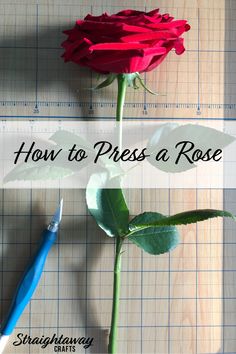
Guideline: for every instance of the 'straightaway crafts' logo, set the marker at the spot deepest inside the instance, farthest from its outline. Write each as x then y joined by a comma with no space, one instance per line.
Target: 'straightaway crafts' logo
62,344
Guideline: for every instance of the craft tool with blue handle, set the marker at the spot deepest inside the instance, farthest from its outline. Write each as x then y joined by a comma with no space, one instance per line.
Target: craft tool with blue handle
30,278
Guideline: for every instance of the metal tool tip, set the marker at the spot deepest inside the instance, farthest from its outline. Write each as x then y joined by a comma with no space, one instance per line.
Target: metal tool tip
58,214
56,219
60,208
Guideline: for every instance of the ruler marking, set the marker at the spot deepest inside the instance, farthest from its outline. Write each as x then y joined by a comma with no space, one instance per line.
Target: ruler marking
36,110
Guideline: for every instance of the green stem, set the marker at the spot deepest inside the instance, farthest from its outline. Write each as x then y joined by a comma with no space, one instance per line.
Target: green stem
112,346
122,84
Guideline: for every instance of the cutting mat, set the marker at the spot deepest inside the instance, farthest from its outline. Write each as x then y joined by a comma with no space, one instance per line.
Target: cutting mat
34,80
183,302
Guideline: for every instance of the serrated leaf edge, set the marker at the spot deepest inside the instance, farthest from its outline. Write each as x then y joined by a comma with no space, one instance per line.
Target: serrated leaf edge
167,221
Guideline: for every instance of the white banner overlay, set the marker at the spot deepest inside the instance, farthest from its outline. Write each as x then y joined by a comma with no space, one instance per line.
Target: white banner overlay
148,154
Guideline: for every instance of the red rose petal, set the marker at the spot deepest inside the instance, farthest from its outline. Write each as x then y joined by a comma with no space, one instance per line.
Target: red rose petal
121,64
125,42
168,25
178,45
79,51
153,12
187,27
106,27
167,18
156,61
154,51
80,54
137,29
70,47
149,20
104,17
147,36
129,12
117,46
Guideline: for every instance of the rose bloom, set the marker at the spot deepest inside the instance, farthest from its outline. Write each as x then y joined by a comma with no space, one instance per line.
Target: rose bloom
126,42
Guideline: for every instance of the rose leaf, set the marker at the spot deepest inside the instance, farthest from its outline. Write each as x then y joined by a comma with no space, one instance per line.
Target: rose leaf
107,206
143,221
152,239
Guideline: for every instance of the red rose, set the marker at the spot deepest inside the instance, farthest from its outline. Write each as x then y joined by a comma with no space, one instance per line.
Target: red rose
129,41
